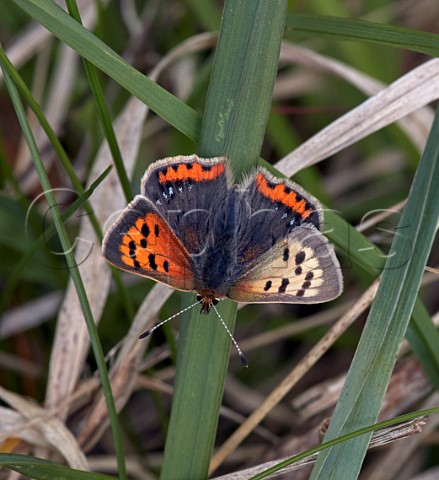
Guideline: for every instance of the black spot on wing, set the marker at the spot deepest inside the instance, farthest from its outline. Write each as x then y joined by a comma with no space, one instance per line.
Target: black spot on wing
151,260
300,257
145,230
286,254
283,285
267,286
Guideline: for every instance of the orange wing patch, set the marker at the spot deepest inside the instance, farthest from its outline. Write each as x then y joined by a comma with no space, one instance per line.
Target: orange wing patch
191,171
283,194
152,250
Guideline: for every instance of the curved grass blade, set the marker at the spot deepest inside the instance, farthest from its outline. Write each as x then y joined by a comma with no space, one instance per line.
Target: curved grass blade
103,113
340,28
64,27
370,371
344,438
15,275
71,262
40,469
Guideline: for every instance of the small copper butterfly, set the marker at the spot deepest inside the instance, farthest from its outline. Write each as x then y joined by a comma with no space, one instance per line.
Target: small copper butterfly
257,241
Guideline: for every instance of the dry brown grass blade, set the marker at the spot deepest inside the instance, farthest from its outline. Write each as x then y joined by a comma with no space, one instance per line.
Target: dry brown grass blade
23,366
71,340
29,315
407,94
52,430
124,372
408,386
294,328
294,376
14,425
134,465
58,93
394,461
379,438
36,36
416,125
55,108
372,221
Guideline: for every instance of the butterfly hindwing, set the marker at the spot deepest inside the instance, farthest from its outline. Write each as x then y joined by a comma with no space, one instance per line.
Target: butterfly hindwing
141,242
301,268
273,208
187,192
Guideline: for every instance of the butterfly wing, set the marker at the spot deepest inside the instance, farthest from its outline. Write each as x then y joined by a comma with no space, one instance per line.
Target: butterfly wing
271,209
142,242
301,268
187,192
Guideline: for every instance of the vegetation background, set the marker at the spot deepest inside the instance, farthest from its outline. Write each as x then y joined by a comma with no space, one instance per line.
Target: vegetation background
331,62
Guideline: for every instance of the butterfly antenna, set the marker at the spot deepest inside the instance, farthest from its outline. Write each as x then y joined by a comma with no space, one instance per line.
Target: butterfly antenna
148,332
241,355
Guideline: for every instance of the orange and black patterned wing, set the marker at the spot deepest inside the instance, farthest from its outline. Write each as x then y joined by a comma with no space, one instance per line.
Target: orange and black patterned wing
142,242
188,191
271,209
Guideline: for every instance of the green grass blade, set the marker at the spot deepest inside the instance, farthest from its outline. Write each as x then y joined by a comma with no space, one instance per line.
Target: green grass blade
233,124
370,429
33,104
44,470
69,31
207,13
103,113
423,337
368,377
64,159
74,272
15,275
340,28
238,105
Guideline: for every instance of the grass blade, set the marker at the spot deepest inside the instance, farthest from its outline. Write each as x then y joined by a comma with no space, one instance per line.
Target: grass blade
71,262
44,470
64,27
370,429
103,113
367,380
353,29
39,243
233,124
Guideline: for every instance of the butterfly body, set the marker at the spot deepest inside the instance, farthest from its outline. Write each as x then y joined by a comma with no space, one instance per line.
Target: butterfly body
257,241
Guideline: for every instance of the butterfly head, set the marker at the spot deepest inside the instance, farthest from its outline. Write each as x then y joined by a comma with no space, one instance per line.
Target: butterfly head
206,299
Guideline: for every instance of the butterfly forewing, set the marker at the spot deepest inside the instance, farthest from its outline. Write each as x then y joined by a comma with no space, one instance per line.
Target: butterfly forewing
141,242
187,192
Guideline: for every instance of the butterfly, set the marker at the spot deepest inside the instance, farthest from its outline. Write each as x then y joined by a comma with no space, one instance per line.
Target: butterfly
258,241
